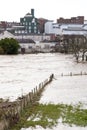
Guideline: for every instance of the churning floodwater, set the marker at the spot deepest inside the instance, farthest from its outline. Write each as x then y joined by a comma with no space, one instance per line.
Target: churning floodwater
19,74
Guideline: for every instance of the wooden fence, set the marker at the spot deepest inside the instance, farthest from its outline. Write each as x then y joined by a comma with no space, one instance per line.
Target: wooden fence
10,112
74,74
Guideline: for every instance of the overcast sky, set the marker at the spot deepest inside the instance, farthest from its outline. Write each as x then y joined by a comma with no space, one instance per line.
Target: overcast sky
12,10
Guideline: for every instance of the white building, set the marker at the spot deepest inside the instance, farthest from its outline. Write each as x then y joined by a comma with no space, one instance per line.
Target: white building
28,47
52,28
62,29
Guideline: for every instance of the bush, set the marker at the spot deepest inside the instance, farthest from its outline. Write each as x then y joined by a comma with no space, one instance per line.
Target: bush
9,46
1,50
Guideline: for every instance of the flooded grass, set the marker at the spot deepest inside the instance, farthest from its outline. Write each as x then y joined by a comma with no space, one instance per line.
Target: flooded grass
48,115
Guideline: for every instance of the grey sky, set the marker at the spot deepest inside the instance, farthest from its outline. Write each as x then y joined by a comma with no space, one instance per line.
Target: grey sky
12,10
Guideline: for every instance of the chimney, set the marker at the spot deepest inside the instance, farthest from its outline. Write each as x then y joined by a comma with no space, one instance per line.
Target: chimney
32,12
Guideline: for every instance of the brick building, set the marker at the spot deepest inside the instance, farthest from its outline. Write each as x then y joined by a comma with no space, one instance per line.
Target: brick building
72,20
41,24
3,25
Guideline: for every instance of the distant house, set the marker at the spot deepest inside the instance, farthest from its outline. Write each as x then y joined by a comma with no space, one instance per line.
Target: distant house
26,45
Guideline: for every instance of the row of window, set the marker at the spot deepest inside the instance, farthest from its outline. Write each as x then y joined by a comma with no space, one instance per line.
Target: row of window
29,23
26,31
31,27
35,31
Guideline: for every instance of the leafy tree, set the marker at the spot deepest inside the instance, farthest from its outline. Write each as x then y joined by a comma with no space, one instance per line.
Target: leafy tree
9,46
1,50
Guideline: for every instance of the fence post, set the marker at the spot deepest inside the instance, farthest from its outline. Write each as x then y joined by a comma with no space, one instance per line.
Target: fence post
70,73
62,74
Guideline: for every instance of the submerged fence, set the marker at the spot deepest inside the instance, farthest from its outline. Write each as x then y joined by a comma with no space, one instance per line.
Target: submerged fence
74,74
10,112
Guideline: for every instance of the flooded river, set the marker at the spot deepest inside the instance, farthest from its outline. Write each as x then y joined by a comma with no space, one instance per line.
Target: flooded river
21,73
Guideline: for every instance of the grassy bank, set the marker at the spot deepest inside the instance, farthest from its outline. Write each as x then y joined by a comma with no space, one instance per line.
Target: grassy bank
48,115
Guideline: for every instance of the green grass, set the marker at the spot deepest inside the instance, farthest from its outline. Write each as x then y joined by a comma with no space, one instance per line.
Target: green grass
48,115
76,116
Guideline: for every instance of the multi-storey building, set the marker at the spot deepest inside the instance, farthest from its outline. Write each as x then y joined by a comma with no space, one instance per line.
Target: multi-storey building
30,23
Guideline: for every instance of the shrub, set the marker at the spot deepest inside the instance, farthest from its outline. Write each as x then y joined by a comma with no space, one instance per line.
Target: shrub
9,46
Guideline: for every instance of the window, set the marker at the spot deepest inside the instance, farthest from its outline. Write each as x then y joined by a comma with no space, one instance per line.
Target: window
29,23
29,31
19,31
25,31
16,31
35,27
23,23
35,30
35,24
29,27
30,47
22,31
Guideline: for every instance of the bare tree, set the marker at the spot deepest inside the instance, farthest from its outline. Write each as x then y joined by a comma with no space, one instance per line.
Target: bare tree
83,47
75,44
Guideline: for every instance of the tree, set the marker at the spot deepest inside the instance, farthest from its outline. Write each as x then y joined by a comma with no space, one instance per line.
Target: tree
74,44
83,47
9,46
76,47
1,50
